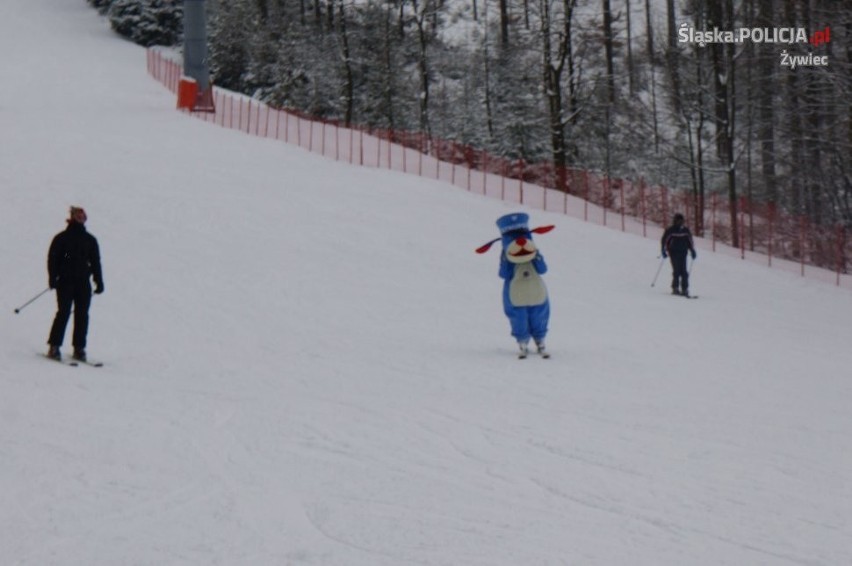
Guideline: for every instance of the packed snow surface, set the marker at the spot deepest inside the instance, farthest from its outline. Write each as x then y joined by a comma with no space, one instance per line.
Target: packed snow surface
306,364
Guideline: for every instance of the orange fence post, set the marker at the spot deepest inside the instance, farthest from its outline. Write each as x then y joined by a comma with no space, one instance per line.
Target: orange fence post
802,242
484,172
644,207
505,166
713,219
771,214
453,161
841,238
742,228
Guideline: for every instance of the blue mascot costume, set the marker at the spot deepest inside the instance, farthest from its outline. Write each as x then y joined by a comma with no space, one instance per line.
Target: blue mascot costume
525,299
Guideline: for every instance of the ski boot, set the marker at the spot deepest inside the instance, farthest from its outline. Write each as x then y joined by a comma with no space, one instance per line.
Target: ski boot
54,354
539,345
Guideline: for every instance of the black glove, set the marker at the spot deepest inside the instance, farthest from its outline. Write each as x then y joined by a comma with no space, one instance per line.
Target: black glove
53,282
693,254
665,255
99,288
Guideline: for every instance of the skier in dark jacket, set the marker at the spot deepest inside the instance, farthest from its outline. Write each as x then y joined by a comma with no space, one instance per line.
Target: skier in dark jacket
676,243
73,258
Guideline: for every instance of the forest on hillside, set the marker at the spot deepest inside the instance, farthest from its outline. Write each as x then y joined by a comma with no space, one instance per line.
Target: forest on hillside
737,98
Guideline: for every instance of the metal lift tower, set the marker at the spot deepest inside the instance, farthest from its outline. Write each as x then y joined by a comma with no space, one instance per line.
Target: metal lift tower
195,91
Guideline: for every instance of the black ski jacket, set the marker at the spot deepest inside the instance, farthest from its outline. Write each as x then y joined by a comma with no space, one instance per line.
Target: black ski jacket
677,239
73,257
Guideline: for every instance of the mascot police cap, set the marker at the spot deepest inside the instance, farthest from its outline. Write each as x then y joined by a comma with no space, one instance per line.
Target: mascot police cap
513,222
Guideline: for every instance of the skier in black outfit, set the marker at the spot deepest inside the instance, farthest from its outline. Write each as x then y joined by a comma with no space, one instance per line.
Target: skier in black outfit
676,242
72,260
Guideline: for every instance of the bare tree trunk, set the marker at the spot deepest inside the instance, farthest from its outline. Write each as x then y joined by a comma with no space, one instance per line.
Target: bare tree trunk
421,10
552,88
349,81
609,48
720,15
317,14
814,99
388,67
263,10
794,123
652,65
766,63
631,74
730,130
696,150
553,65
843,157
486,60
504,23
672,55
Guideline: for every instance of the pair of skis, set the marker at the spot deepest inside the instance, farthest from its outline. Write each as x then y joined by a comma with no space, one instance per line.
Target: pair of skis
74,363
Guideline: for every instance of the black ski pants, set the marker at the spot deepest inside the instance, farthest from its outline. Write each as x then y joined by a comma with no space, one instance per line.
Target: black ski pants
680,275
78,296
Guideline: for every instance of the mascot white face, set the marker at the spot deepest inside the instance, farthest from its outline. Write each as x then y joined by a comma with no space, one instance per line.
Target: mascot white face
521,250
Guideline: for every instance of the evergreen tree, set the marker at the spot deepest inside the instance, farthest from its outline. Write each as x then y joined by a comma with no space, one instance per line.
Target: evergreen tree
146,22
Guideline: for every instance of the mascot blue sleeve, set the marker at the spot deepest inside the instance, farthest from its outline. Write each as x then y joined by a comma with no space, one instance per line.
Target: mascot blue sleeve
507,270
539,264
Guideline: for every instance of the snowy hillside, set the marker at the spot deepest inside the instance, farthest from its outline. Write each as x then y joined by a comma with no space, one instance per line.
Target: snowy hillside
306,363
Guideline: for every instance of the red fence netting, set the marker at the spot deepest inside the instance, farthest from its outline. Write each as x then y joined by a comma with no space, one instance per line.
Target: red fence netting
764,232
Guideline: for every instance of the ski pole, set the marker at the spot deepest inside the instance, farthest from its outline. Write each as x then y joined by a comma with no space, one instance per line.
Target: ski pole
20,308
660,268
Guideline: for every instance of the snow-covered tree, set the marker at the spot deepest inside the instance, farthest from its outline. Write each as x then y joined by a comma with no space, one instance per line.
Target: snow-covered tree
147,22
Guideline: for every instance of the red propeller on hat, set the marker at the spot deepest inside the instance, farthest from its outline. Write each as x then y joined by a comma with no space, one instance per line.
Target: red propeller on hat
540,230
